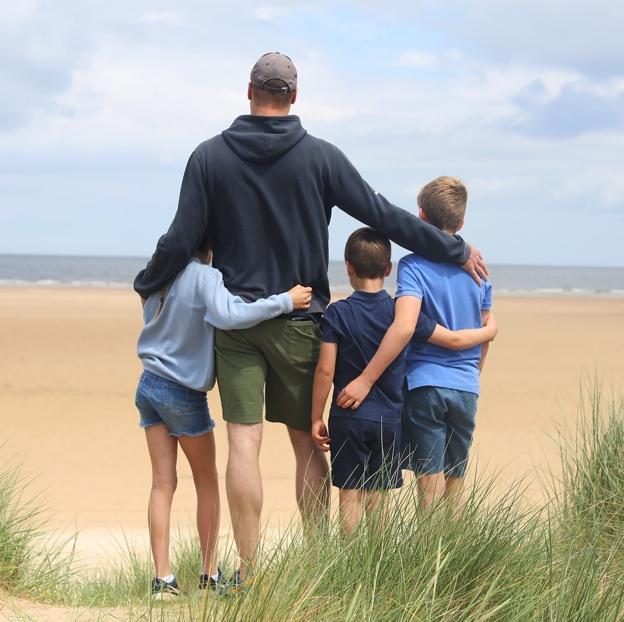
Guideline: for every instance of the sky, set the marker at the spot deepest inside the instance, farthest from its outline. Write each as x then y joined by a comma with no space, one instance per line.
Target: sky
103,102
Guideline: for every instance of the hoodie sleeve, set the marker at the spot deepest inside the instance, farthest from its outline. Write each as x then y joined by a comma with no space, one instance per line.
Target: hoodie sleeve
228,312
189,225
353,195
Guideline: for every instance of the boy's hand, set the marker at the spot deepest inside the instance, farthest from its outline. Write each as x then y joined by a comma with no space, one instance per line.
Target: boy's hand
301,296
354,393
320,435
475,265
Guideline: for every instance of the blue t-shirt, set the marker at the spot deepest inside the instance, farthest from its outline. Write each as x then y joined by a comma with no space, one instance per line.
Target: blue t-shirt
451,298
357,325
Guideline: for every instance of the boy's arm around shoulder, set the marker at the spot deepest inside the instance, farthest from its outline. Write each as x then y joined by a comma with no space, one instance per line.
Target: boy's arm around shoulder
396,338
465,338
225,311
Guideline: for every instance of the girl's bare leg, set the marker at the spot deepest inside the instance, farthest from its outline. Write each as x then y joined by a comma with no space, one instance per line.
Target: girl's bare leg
163,453
351,508
201,454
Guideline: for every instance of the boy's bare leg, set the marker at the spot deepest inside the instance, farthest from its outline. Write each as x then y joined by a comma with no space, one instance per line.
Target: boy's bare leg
454,494
351,508
311,481
375,502
163,450
431,488
375,505
243,484
201,454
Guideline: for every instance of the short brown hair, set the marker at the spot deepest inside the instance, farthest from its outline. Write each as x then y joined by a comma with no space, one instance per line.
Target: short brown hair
444,201
272,96
368,252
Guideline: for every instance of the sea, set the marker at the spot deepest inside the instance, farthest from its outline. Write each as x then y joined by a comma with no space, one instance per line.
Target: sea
118,272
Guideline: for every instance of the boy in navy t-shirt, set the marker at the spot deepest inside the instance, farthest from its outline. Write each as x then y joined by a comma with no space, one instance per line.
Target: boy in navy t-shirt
365,438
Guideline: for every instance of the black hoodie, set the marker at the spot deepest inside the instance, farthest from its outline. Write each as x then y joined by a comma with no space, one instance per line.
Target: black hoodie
265,190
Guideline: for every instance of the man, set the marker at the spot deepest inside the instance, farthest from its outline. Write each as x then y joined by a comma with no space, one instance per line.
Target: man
265,190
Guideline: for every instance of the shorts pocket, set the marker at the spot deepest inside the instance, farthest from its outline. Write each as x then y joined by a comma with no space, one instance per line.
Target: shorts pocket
304,340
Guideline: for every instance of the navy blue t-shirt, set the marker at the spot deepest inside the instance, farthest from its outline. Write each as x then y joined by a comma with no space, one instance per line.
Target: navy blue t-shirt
358,325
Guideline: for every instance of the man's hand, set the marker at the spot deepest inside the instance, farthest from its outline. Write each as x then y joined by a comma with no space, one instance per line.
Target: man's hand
320,435
354,393
475,266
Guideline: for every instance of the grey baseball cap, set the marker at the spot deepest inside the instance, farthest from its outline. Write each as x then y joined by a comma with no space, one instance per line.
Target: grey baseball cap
274,66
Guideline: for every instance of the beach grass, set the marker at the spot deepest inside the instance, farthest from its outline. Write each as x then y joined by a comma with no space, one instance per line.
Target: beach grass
502,559
33,563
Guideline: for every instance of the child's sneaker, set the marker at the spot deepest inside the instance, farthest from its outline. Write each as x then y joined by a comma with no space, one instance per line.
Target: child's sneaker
206,582
162,588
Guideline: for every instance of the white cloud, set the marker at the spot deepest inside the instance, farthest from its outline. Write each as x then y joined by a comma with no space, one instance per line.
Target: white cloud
270,12
415,58
168,18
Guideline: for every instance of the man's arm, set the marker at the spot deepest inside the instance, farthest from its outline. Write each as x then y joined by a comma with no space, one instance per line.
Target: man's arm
175,248
352,194
323,379
396,338
465,338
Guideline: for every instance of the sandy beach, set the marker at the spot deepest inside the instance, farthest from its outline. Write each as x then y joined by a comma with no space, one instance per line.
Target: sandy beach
68,372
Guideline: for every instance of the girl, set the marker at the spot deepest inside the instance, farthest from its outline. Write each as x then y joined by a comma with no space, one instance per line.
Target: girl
176,347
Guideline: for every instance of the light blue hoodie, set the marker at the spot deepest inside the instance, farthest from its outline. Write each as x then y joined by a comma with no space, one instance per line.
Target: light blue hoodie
178,343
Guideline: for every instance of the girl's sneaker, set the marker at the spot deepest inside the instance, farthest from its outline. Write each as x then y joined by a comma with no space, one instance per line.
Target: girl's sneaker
165,589
206,582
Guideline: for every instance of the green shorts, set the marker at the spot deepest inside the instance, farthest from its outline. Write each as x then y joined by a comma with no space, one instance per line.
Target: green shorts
274,360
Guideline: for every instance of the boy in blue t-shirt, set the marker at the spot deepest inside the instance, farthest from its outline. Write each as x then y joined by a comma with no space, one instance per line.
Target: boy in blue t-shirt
365,438
443,385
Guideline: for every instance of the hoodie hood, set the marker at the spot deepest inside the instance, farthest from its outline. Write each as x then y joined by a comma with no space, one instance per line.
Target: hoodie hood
263,139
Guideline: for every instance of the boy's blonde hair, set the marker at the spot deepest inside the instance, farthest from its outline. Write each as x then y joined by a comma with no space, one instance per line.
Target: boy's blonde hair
444,202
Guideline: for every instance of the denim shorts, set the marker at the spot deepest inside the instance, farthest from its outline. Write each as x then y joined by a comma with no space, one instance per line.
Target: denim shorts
365,454
438,425
184,411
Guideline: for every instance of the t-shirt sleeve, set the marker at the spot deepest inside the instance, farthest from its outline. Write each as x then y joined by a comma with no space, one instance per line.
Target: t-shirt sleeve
408,280
424,328
486,305
330,332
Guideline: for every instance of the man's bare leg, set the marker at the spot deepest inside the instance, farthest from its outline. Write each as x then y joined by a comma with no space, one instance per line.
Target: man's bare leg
431,488
351,508
311,480
244,489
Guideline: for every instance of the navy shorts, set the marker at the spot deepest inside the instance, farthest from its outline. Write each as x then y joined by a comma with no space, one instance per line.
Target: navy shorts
365,454
438,425
184,411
